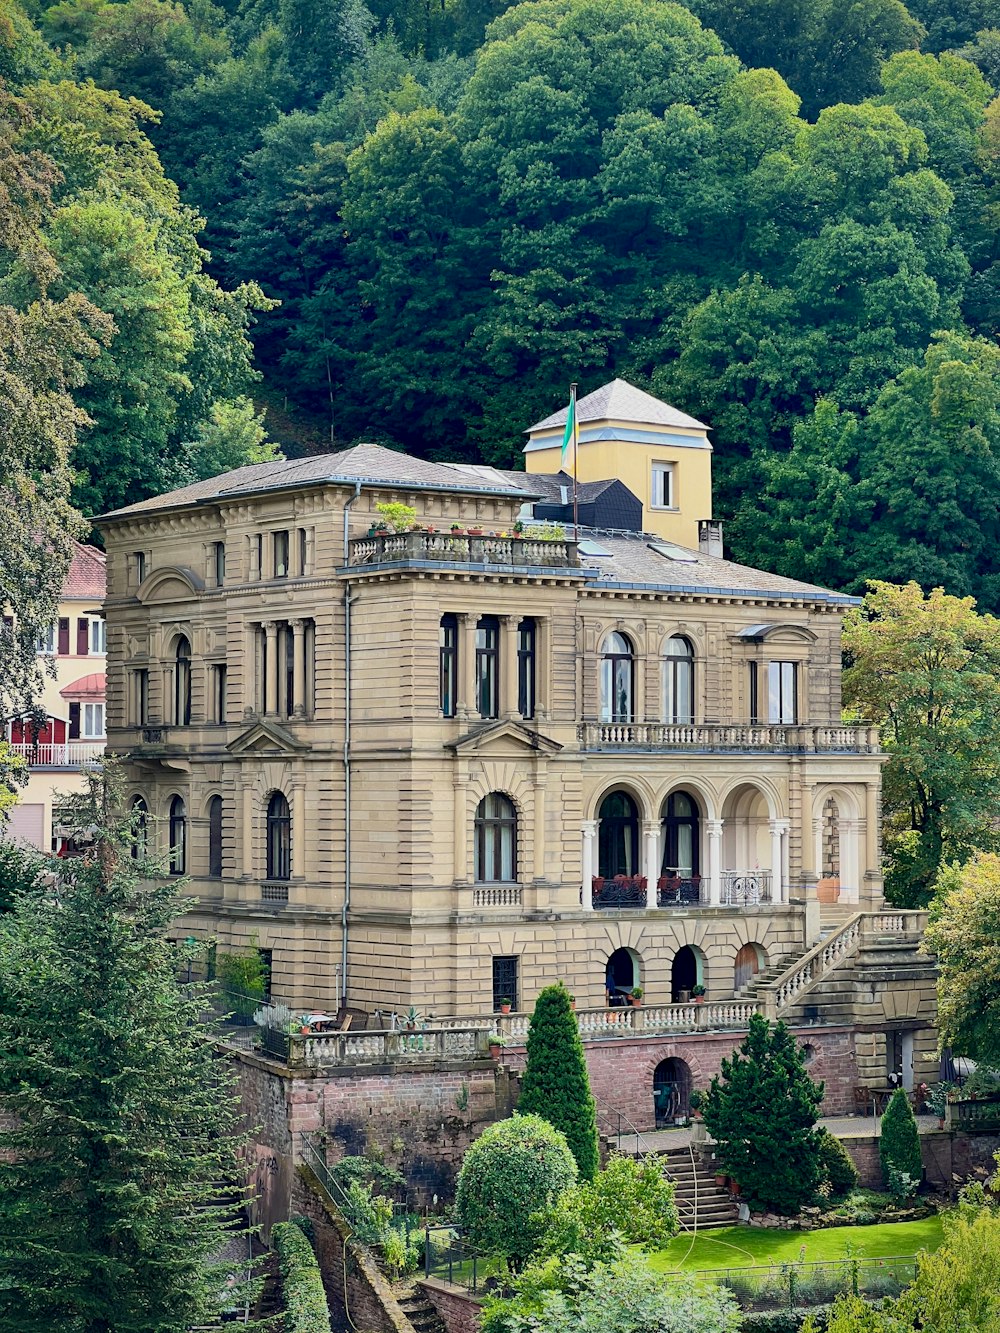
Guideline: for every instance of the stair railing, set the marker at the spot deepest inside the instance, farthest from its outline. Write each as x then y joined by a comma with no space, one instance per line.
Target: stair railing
780,994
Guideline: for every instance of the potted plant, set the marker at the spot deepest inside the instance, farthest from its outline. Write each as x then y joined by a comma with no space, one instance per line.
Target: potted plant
937,1100
496,1041
505,1003
399,517
635,997
474,532
518,528
572,1001
698,993
696,1101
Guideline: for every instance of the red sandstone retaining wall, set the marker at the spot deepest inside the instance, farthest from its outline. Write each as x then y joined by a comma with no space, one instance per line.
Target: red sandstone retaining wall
457,1310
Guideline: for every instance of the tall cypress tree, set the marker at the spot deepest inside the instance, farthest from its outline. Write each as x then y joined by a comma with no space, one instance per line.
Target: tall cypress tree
899,1140
556,1085
122,1130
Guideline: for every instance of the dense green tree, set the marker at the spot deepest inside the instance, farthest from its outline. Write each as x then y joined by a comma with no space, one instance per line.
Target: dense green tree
899,1143
839,1171
926,669
762,1112
949,23
233,436
556,1084
510,1178
962,935
123,1127
628,1201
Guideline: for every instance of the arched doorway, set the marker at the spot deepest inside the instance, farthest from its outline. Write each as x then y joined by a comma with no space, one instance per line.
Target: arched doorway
671,1091
621,976
685,973
749,961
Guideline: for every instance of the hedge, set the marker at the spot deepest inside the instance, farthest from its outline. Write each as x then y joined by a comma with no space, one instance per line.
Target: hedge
791,1321
302,1285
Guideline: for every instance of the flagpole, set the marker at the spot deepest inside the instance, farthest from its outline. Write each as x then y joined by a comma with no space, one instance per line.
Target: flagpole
576,438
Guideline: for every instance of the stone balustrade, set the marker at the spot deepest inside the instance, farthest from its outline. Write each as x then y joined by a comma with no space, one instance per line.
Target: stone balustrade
523,552
728,738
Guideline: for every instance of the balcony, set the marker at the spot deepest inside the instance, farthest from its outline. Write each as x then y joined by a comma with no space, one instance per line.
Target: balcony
58,754
444,548
740,888
728,738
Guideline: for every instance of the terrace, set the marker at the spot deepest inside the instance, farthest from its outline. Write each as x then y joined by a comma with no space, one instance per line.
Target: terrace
464,548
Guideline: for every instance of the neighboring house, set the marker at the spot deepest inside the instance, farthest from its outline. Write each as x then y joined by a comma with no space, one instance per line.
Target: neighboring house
441,768
72,733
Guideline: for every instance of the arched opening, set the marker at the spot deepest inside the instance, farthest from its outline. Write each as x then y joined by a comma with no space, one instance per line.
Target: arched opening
618,882
746,848
680,865
279,837
139,811
686,972
621,976
750,959
671,1092
617,678
678,680
828,885
496,839
182,682
177,834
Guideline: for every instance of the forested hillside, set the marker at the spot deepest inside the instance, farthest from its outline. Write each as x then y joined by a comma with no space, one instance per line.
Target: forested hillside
780,215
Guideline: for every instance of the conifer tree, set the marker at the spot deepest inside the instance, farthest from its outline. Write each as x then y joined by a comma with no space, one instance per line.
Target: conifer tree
556,1084
899,1142
762,1113
120,1146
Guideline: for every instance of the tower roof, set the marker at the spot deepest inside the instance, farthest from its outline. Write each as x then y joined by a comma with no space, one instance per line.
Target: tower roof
621,401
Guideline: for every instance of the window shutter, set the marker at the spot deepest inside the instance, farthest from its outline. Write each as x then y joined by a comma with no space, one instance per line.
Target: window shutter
74,722
82,637
63,636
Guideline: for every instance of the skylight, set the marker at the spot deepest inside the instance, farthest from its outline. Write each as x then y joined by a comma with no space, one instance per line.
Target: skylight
672,552
591,548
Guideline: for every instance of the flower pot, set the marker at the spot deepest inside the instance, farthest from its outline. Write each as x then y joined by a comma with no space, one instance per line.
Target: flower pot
474,532
636,1004
505,1008
940,1122
721,1180
699,999
494,1050
305,1029
572,1004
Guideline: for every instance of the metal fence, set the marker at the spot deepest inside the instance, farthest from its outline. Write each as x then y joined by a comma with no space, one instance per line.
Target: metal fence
449,1257
801,1284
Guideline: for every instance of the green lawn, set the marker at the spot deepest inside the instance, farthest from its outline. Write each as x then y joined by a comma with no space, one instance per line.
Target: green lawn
741,1247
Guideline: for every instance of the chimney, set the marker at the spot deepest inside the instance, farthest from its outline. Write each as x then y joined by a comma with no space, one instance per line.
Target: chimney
710,537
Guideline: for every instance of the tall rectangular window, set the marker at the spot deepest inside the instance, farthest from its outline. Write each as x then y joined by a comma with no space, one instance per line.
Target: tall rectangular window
281,555
218,694
526,668
487,666
288,654
140,685
93,721
219,562
98,638
47,640
139,566
505,979
663,486
448,655
782,683
303,552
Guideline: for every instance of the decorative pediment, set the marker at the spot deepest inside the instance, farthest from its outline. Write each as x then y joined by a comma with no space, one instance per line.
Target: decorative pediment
780,633
173,583
502,737
266,737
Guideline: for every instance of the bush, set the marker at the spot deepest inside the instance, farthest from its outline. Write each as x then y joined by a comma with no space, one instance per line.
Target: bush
401,1257
836,1164
899,1144
511,1177
556,1084
629,1199
302,1285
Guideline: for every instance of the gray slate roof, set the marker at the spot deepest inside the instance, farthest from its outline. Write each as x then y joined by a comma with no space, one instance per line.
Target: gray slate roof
621,401
633,563
365,462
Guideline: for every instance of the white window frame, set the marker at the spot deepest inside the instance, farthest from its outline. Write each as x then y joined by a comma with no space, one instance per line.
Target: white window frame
99,638
668,472
783,693
48,641
89,715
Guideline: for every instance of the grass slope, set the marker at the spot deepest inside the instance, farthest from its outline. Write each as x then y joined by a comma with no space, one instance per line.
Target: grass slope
741,1247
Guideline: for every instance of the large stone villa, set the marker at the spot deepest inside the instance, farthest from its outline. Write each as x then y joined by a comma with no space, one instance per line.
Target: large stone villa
444,767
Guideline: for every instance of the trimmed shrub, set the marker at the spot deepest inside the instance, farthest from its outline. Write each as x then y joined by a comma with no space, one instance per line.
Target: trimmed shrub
899,1144
302,1285
556,1084
836,1165
511,1177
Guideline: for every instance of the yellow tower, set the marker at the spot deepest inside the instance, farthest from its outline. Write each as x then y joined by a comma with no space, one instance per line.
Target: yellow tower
662,455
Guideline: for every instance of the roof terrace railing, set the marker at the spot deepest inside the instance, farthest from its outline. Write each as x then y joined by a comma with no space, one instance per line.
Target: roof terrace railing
520,552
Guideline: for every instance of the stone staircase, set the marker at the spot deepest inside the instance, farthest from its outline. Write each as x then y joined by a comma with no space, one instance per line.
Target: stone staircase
418,1309
767,974
702,1205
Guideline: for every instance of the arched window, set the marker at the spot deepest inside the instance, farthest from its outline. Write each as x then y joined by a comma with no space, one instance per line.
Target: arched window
496,839
182,682
618,836
526,668
140,827
487,666
617,679
680,843
279,837
448,654
215,837
177,833
678,680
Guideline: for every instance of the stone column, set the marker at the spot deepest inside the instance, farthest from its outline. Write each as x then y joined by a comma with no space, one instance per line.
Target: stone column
539,840
299,667
271,667
778,828
651,859
589,830
465,705
256,551
714,829
508,667
298,813
543,667
460,816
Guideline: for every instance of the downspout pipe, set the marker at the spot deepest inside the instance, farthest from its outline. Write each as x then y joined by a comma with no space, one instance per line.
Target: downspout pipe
348,600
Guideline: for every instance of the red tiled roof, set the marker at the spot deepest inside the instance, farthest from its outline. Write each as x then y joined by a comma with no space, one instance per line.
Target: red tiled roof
87,687
87,578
